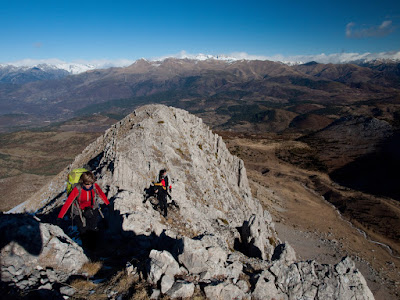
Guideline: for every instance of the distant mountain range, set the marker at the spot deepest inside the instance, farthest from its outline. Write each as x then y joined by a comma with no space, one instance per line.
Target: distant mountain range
18,73
254,92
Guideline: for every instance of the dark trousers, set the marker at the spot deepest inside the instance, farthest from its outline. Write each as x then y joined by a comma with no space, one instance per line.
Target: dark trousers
89,233
162,201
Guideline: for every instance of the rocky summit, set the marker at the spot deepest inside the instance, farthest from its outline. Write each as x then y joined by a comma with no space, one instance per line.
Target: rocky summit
217,241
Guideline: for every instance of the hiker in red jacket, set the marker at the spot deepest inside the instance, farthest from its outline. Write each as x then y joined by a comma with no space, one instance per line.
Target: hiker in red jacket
87,206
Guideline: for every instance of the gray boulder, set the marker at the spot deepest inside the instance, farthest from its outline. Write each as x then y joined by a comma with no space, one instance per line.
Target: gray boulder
167,282
35,253
203,257
181,289
258,236
225,291
162,263
265,288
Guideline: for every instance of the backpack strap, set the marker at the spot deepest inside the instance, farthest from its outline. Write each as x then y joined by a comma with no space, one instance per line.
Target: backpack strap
75,207
96,204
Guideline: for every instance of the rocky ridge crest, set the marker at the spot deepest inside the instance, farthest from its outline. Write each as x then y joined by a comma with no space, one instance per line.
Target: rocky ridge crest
218,239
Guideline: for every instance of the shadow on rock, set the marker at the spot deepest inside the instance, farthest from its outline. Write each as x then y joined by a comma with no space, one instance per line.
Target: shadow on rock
21,229
115,247
18,231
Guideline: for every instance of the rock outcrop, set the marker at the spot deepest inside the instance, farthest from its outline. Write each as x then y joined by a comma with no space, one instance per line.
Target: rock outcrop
217,238
35,253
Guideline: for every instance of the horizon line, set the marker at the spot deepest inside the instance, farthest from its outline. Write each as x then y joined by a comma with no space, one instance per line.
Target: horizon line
336,58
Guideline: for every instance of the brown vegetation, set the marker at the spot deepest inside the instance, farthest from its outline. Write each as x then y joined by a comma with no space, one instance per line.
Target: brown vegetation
310,223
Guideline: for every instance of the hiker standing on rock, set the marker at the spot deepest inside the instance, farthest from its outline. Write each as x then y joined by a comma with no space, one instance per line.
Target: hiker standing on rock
86,206
162,191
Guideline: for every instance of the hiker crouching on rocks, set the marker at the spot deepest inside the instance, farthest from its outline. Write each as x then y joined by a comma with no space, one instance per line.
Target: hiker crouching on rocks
85,210
162,190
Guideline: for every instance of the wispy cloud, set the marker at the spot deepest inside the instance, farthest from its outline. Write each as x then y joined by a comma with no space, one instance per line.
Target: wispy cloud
37,45
98,63
356,32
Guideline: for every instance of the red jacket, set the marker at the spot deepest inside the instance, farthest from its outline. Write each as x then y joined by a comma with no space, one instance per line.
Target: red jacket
85,199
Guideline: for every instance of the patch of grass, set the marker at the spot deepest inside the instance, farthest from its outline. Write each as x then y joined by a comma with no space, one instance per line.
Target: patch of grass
273,241
122,282
224,221
140,292
91,268
98,297
83,286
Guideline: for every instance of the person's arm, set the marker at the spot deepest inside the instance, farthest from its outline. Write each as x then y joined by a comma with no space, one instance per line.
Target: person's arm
101,194
168,185
68,203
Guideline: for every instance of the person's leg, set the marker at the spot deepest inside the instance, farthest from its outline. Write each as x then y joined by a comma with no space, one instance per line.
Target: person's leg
164,201
92,219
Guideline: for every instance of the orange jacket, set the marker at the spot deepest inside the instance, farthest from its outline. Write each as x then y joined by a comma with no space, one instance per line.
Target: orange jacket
85,199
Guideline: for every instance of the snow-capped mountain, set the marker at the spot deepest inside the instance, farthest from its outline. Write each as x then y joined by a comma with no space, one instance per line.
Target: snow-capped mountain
72,68
19,74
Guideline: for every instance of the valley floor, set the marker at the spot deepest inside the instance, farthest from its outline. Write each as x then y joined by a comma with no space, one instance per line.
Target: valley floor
313,226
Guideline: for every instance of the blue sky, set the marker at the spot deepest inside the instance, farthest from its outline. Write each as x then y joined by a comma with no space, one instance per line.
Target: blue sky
111,30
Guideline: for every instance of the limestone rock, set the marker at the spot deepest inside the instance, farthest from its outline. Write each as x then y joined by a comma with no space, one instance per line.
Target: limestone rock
284,253
167,282
265,288
199,256
67,290
162,262
224,291
181,289
31,250
258,236
155,294
310,280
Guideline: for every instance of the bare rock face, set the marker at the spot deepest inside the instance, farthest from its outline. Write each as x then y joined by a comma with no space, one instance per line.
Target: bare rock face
162,263
224,291
217,229
257,235
310,280
33,253
208,182
181,289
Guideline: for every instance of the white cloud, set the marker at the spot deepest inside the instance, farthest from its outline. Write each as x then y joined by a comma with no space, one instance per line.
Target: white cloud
28,62
352,31
98,63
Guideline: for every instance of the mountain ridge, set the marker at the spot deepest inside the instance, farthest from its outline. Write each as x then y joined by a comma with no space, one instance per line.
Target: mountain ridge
213,237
